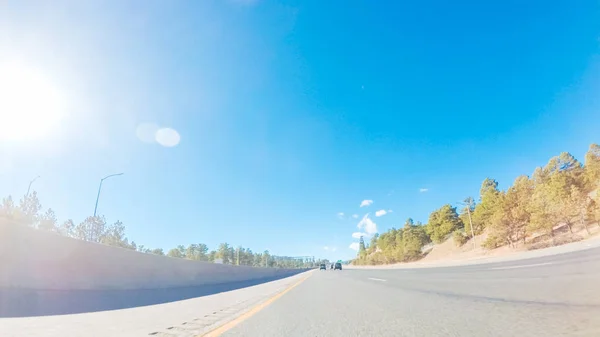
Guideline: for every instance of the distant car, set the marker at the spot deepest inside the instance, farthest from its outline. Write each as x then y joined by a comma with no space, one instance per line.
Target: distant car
323,267
338,266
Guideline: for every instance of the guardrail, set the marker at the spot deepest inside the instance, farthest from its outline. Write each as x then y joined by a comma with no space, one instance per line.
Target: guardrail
52,274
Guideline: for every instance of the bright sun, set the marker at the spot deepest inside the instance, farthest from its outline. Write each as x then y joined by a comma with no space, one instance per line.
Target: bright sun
30,106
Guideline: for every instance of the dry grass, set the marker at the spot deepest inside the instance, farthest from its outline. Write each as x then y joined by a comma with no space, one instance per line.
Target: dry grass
448,251
561,236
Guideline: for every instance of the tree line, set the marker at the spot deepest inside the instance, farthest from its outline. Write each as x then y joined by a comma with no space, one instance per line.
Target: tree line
563,193
28,212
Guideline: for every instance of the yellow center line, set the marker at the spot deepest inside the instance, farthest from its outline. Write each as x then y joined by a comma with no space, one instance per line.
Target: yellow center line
227,326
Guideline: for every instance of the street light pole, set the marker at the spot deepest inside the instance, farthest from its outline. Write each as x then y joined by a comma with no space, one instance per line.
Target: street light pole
29,188
100,188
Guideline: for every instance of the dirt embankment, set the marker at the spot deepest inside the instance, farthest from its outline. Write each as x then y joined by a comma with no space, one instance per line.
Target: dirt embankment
448,253
472,249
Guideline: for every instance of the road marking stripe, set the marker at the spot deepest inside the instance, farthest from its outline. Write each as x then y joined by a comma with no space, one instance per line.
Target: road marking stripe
523,266
224,328
376,279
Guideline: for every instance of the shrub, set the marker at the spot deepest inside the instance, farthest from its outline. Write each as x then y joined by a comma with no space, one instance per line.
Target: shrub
459,238
492,242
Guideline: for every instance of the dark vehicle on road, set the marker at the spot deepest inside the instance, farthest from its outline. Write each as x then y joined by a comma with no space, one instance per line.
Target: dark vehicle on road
323,267
338,266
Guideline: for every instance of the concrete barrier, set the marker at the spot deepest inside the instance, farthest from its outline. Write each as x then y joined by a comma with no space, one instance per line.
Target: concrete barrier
62,275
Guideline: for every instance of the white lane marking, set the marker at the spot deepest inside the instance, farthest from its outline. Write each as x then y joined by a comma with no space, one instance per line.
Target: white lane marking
523,266
376,279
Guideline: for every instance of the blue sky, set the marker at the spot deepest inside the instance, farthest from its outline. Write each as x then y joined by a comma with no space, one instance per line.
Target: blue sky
292,112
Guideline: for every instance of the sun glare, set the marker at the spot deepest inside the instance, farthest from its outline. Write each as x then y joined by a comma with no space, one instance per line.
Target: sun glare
30,106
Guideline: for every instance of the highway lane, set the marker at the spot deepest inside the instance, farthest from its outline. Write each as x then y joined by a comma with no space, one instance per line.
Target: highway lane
547,296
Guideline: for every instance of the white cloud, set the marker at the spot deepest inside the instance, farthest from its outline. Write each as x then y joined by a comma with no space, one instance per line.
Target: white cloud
355,216
354,246
366,203
357,235
367,224
326,248
340,215
333,249
381,212
423,190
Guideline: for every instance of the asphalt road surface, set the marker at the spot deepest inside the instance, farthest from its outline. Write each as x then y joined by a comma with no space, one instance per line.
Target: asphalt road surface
555,295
